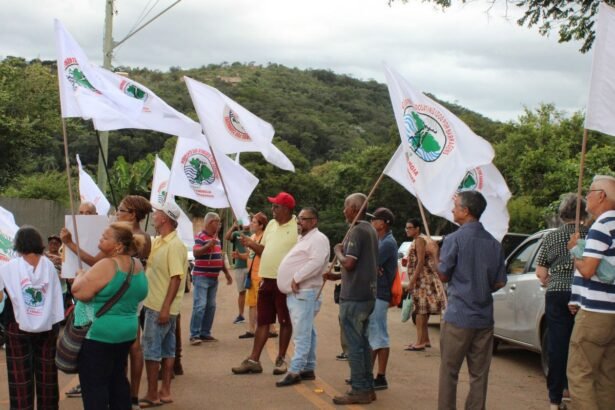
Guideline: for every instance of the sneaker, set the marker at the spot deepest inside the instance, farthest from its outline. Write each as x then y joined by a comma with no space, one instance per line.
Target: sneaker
380,383
239,319
247,335
342,357
74,392
280,366
353,397
195,341
208,339
248,366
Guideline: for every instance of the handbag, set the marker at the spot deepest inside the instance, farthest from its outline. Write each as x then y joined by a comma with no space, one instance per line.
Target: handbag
69,345
406,308
248,282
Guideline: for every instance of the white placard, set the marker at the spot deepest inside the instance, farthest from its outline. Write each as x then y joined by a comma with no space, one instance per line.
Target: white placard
90,229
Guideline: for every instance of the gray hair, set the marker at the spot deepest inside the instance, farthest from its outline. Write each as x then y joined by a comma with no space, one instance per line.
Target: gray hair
606,183
567,210
356,201
210,216
474,201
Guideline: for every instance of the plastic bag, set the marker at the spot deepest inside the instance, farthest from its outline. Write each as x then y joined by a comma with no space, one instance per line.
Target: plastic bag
406,308
605,271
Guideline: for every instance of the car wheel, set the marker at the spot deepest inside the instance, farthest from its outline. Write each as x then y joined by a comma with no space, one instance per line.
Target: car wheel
496,344
544,356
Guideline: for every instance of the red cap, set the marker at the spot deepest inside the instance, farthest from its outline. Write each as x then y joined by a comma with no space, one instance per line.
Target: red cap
283,199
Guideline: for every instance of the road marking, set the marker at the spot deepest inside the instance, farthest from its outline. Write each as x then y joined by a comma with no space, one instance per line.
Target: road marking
301,388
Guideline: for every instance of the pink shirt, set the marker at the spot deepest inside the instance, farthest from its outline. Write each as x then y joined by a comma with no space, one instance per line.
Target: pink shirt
305,263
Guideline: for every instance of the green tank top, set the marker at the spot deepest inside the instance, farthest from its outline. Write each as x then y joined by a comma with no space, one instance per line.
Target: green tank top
120,322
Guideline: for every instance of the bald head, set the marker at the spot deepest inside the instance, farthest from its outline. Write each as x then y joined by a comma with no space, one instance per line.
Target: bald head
87,208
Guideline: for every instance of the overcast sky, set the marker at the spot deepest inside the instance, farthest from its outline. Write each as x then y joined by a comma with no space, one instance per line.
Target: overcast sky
478,59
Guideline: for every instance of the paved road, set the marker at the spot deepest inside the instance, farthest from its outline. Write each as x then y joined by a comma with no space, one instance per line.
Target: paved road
516,381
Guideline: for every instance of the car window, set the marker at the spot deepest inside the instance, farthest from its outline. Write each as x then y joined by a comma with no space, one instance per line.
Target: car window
534,263
518,261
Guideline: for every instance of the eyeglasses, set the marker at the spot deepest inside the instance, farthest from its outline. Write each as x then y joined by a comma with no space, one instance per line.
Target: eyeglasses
593,190
305,218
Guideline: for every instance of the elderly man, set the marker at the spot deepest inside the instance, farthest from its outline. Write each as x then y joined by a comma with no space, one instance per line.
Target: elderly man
208,262
382,219
358,256
472,262
300,278
166,276
278,239
591,360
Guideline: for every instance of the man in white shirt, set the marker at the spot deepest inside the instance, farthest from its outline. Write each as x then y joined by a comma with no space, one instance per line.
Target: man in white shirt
300,278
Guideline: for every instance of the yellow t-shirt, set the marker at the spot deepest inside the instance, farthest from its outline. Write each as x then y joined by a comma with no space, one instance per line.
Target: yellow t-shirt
168,258
278,241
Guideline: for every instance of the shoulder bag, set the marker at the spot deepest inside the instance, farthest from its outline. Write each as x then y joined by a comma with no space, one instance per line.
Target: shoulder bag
69,345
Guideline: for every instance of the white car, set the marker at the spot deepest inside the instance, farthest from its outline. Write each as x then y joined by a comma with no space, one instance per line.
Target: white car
519,307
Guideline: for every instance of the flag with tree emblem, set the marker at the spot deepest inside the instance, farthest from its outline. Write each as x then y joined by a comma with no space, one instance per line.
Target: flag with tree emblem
8,229
195,174
485,179
231,128
83,92
439,147
89,191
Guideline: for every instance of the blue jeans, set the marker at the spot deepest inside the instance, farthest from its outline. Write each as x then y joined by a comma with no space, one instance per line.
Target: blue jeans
303,308
354,321
559,329
204,307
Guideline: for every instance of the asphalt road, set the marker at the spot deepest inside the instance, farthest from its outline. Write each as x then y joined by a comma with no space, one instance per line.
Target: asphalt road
516,380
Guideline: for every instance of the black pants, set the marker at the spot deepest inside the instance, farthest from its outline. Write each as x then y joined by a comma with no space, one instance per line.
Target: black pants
102,373
559,329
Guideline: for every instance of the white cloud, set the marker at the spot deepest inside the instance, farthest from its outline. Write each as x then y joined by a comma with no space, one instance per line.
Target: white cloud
482,61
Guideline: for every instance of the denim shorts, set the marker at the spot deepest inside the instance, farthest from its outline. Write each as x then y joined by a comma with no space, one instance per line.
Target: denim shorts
377,331
158,341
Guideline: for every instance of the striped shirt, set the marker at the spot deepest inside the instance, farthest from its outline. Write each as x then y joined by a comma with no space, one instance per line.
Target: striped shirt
592,294
211,263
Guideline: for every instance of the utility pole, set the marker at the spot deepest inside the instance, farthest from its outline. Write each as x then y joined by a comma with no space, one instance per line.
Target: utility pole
108,46
107,56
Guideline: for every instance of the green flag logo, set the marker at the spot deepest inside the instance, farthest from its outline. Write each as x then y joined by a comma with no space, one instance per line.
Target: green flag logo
75,75
233,125
33,297
132,90
6,248
425,132
200,170
473,181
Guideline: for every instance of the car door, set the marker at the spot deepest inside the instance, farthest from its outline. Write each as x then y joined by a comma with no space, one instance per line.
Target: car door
504,300
529,300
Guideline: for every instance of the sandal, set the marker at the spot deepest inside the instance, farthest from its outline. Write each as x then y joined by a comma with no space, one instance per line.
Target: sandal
147,403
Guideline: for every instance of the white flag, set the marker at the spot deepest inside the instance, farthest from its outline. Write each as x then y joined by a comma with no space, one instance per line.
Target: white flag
195,175
8,229
231,128
89,191
159,196
83,92
156,114
601,102
440,148
486,179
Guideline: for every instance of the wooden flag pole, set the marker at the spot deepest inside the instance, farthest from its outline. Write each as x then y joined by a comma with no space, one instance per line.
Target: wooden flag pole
577,221
354,221
104,161
70,192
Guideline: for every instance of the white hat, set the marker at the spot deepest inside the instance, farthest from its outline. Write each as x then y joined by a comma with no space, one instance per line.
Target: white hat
170,209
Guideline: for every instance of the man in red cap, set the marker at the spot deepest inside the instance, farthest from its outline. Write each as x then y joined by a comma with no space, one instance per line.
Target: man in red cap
279,237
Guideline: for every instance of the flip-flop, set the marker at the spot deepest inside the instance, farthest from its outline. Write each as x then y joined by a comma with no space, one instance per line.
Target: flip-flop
168,401
147,403
414,349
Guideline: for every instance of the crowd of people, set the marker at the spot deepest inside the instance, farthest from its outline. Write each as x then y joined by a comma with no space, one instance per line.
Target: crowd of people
279,266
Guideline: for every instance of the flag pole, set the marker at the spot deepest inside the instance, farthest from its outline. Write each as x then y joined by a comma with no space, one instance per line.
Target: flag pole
70,192
354,221
104,161
577,221
423,217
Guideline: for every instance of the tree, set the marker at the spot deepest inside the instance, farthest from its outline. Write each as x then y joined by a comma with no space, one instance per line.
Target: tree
574,18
